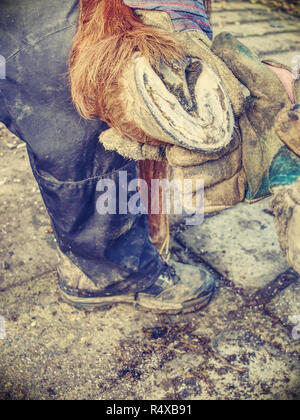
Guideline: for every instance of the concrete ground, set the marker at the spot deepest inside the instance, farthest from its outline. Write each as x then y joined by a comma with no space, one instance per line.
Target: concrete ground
244,346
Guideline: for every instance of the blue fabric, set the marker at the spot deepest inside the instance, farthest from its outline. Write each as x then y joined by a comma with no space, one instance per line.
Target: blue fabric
285,168
284,171
67,159
185,14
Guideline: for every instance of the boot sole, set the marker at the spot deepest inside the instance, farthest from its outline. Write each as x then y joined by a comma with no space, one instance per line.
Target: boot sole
101,303
105,303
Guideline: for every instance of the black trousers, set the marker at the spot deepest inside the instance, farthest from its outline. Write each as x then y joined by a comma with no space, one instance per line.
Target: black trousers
67,160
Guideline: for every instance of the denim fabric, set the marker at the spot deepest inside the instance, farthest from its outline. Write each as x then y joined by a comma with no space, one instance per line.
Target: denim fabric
66,157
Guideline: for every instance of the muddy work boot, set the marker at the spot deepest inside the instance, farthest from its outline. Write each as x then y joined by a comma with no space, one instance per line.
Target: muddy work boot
181,288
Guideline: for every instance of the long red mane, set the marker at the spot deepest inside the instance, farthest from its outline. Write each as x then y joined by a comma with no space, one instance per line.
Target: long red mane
108,34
